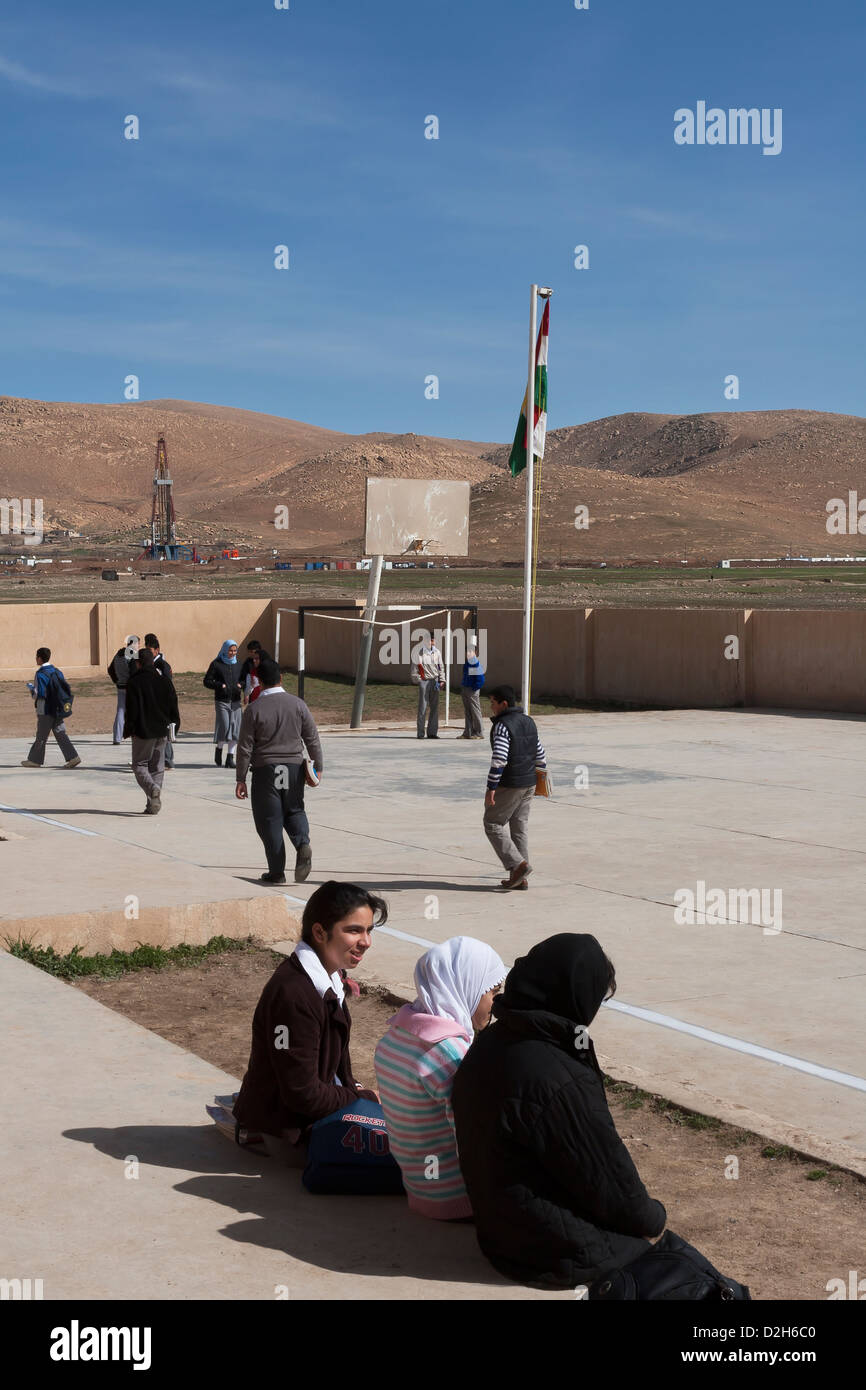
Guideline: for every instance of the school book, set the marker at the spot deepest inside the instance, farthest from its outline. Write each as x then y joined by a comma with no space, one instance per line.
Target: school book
543,782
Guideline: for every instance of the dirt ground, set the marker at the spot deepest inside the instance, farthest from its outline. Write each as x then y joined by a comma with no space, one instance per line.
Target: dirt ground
330,701
668,586
91,714
772,1227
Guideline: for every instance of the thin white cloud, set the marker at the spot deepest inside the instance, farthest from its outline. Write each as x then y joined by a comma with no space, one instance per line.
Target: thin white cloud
25,77
229,98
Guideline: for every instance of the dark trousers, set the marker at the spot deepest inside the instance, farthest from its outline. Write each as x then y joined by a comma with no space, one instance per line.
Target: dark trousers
51,724
277,799
148,763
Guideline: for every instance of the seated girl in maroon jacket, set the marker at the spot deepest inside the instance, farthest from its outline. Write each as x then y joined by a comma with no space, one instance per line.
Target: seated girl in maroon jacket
299,1068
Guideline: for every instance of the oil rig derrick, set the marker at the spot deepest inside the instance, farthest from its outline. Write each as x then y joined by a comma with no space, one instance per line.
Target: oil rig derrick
163,521
163,529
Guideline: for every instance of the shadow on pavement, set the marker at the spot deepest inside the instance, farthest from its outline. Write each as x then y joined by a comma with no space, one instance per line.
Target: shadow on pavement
363,1235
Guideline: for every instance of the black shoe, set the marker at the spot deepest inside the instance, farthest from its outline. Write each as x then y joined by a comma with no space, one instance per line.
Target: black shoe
218,756
272,878
303,863
432,735
230,760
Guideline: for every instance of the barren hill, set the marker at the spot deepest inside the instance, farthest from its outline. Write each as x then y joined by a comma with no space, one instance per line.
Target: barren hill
93,464
745,483
325,495
656,486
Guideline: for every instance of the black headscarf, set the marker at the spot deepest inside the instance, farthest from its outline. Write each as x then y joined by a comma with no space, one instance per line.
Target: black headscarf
568,975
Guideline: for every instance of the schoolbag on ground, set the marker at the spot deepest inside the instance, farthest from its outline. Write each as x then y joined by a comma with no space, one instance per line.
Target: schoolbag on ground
58,696
671,1269
349,1153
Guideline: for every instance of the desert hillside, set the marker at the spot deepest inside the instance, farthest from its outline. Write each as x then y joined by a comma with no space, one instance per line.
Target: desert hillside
745,483
655,486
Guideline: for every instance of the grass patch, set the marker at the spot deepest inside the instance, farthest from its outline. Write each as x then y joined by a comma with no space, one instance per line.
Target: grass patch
701,1121
633,1098
330,697
777,1151
143,957
690,1118
816,1174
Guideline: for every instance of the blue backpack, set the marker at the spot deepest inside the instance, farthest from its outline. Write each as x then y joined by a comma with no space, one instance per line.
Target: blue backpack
348,1152
58,696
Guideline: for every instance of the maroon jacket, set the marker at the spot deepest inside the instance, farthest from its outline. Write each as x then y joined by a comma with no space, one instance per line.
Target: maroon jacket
289,1088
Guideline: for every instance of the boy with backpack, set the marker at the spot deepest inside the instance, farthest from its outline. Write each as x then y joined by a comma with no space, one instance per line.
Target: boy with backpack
53,700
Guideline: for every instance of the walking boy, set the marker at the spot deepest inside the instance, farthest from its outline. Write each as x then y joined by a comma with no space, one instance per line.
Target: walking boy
274,730
151,705
517,754
48,690
162,668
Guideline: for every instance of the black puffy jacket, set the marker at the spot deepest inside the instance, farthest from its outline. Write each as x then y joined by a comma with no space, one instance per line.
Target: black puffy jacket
556,1197
222,678
523,747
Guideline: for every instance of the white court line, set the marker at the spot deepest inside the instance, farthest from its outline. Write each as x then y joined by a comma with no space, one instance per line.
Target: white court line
767,1054
46,820
404,936
842,1078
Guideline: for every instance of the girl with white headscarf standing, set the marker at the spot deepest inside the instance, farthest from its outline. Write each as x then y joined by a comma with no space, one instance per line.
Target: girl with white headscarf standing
415,1065
222,678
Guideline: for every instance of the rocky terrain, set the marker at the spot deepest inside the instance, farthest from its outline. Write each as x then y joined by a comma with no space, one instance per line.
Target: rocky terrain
655,487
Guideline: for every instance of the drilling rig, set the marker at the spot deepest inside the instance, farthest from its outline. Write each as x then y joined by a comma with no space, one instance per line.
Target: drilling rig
163,528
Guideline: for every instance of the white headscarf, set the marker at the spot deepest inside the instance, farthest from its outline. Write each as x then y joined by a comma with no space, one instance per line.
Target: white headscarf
451,978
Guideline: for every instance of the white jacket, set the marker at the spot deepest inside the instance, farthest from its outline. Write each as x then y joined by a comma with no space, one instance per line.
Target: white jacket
430,666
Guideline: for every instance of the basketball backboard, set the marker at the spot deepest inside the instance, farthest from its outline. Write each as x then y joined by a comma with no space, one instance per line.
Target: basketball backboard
416,516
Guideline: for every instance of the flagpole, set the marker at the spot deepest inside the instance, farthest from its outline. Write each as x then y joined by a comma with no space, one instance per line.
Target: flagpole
530,469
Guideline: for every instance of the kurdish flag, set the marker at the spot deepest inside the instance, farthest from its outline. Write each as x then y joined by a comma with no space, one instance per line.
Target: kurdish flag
517,459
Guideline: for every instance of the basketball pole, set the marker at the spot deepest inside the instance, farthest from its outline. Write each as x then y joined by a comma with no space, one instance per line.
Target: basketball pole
448,668
366,642
530,461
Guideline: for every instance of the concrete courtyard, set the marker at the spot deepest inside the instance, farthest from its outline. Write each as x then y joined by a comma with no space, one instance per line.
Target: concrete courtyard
754,1015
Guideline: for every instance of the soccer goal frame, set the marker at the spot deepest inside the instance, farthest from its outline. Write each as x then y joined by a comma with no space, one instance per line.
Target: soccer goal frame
418,609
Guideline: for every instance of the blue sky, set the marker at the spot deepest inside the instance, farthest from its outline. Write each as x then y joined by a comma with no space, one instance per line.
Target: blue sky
411,257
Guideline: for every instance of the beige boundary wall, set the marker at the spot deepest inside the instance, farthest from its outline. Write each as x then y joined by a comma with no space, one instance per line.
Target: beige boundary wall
83,637
794,659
